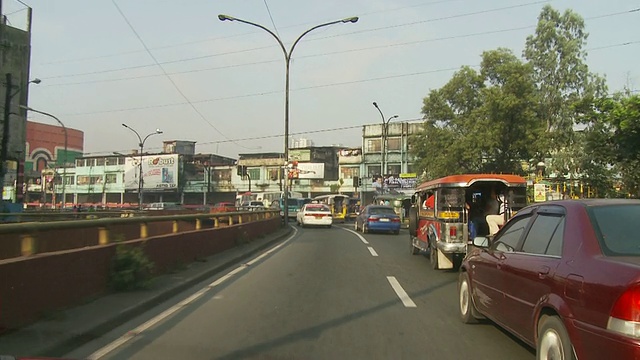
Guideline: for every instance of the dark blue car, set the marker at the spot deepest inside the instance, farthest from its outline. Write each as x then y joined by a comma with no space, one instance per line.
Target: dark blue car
378,218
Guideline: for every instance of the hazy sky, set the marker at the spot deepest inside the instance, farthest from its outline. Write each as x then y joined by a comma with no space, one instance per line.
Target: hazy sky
221,83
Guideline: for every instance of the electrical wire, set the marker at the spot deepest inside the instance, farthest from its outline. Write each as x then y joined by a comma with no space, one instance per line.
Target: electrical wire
106,71
193,42
273,136
167,75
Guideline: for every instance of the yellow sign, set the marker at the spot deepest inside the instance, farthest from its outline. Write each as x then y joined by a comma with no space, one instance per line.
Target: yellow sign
539,192
448,214
408,175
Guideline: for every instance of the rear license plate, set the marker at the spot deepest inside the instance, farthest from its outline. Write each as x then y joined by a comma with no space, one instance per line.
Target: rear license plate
384,220
318,216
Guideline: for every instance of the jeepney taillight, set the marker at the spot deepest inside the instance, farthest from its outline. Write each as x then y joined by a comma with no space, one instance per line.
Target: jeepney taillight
453,232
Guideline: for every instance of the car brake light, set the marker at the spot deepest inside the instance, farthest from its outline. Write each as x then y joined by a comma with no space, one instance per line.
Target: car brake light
625,314
372,219
395,220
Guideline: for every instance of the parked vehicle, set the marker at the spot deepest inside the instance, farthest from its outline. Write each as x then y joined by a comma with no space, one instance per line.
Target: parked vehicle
378,218
314,215
253,206
563,276
338,203
223,207
447,212
162,206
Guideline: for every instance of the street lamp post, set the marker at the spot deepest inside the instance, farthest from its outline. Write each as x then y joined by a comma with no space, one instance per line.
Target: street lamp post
5,126
383,146
287,58
141,145
64,169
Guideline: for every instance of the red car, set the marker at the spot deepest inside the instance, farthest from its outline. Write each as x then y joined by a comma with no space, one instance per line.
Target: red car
563,276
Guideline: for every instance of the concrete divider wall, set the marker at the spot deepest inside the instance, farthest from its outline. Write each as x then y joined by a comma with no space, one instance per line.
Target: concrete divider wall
31,287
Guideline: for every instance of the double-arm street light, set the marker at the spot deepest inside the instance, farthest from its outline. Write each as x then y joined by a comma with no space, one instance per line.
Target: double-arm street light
141,145
4,143
287,58
385,130
64,169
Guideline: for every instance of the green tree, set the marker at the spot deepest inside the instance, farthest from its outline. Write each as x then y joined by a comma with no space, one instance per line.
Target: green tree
556,53
480,121
442,147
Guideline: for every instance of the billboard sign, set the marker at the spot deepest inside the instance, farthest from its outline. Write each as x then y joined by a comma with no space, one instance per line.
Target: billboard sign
299,155
310,171
159,172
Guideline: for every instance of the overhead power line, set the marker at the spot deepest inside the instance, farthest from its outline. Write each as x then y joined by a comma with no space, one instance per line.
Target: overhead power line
273,136
269,92
490,32
262,93
193,42
182,94
481,12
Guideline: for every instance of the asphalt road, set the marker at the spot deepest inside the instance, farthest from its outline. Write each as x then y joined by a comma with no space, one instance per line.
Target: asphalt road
324,294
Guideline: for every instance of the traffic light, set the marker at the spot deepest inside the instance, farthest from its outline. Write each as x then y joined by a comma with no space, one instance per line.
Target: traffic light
357,181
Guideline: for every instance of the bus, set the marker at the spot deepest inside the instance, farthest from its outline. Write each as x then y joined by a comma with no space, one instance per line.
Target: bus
266,197
338,203
447,213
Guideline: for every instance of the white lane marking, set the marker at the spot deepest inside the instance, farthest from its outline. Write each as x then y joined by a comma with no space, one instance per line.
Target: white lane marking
137,331
404,297
358,235
372,251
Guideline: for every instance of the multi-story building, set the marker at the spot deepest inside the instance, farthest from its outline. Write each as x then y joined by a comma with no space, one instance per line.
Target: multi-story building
179,175
15,55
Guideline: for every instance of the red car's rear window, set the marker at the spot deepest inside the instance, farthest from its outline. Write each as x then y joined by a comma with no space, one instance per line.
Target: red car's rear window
616,226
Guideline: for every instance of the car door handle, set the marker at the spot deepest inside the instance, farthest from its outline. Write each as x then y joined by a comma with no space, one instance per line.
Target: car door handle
543,272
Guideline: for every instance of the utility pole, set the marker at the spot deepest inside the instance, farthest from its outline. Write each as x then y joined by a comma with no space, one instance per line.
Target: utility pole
5,131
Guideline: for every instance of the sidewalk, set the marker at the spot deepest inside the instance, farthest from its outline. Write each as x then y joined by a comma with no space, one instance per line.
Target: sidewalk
66,330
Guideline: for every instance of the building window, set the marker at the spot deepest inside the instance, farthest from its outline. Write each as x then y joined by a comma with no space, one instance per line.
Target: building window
79,162
273,174
221,175
90,162
254,174
393,144
111,178
69,180
89,180
373,145
349,172
411,168
121,161
373,170
100,162
394,169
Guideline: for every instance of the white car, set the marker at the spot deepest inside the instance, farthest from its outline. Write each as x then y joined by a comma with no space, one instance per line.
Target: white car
314,215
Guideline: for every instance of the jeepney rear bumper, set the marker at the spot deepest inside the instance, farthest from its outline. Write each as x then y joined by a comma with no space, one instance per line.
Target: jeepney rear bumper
451,248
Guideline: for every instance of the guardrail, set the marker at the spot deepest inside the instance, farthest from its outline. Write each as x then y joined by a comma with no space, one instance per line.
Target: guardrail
41,237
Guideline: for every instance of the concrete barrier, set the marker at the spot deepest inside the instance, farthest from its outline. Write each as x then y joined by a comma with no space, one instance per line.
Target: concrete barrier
32,286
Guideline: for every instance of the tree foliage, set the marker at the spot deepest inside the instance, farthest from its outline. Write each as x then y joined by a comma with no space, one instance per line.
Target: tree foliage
480,121
514,110
612,139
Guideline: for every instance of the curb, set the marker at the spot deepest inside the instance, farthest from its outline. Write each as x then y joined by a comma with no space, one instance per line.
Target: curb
94,332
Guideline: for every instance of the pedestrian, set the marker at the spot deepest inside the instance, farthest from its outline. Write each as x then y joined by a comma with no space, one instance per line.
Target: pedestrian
497,210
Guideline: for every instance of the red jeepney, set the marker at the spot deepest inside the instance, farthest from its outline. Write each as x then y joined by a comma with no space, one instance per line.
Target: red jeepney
447,212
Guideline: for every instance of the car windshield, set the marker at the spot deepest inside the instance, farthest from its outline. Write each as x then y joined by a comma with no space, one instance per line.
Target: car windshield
381,211
616,229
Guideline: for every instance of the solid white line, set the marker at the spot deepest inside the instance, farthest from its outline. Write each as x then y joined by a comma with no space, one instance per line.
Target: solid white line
372,251
358,235
404,297
137,331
